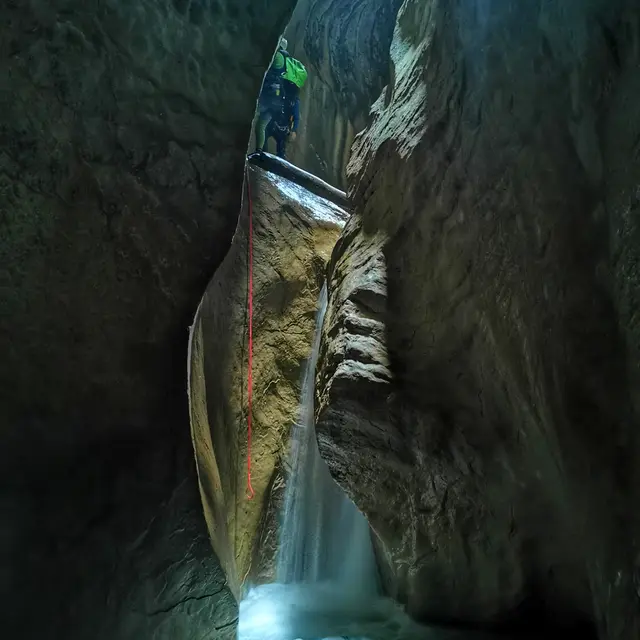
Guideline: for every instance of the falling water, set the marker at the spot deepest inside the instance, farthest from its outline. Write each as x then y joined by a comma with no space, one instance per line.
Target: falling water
328,586
324,538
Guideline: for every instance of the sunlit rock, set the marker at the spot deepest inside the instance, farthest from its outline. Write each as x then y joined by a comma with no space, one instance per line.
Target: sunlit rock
294,232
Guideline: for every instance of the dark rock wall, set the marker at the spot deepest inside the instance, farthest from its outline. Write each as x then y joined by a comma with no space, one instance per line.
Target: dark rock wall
117,548
480,369
344,44
123,129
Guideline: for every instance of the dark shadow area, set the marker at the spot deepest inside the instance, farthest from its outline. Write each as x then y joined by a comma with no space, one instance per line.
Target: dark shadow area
122,172
532,620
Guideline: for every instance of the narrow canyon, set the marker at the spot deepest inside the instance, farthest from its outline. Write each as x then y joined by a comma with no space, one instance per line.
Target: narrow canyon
478,369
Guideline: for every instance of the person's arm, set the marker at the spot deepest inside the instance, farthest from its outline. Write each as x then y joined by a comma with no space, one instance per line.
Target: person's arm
278,61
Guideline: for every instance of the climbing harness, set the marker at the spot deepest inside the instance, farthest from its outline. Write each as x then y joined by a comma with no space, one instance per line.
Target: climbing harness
250,490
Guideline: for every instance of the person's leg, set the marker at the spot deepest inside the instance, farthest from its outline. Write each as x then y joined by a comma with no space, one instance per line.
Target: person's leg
270,133
281,141
264,118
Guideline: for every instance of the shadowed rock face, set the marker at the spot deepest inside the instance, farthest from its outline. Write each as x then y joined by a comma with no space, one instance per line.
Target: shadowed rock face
479,369
124,132
119,550
345,45
348,43
124,127
294,232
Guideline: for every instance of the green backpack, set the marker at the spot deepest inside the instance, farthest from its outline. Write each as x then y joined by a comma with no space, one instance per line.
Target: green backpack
294,72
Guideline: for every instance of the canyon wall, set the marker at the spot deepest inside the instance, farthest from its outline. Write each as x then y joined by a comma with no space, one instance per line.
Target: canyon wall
344,44
124,127
479,369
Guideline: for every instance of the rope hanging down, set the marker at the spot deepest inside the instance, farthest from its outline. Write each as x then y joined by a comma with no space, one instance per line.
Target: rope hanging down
250,490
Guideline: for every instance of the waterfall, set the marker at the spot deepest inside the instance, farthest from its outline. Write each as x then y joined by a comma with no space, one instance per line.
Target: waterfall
323,536
328,583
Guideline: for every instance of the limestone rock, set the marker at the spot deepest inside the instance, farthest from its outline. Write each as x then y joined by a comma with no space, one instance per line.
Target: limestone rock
293,235
123,130
479,371
120,550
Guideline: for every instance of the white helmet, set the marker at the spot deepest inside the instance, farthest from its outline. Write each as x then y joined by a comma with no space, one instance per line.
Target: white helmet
283,42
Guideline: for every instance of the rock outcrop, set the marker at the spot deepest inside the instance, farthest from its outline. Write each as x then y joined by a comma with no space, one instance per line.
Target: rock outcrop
124,127
345,46
294,232
479,373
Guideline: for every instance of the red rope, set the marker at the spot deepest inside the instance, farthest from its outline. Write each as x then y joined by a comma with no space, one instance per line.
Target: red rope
250,490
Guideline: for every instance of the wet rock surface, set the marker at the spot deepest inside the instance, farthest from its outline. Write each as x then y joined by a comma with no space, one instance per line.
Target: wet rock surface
124,127
294,232
478,383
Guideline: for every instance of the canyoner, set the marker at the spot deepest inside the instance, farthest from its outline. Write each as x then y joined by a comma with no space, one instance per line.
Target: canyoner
279,101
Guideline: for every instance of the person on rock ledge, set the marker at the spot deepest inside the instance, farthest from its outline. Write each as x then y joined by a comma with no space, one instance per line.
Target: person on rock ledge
279,101
284,124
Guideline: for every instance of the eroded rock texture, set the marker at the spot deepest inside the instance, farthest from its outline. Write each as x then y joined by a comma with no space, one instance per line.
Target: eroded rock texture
345,45
480,369
123,128
293,235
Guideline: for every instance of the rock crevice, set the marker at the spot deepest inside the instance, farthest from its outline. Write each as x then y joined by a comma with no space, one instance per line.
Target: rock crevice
344,44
